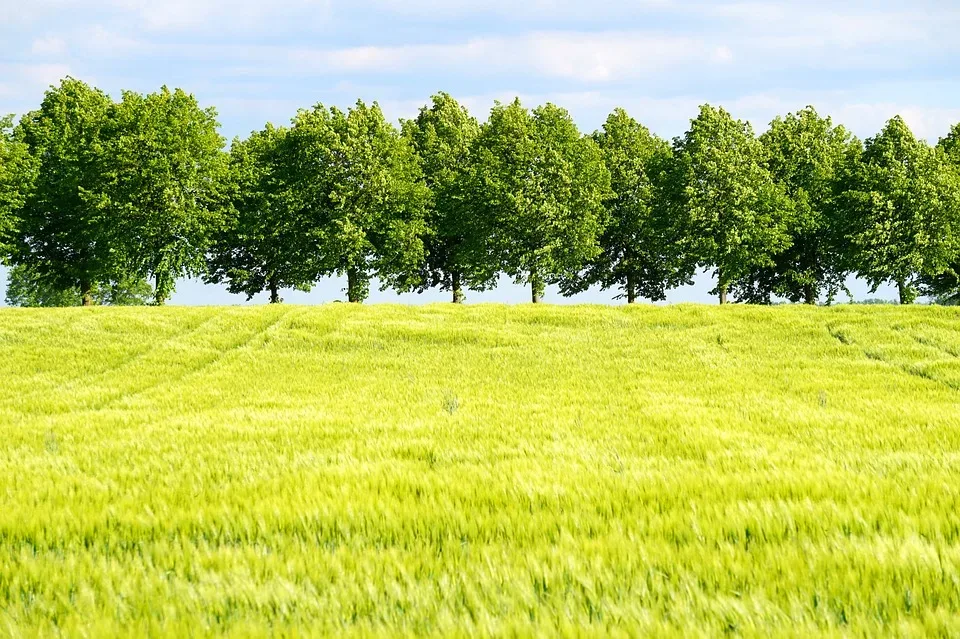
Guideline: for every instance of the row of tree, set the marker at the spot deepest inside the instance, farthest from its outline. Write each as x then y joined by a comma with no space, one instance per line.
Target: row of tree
99,197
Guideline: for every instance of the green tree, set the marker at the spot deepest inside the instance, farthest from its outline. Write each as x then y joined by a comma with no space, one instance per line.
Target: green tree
903,204
643,249
25,287
265,245
167,185
62,235
739,216
944,287
806,155
17,174
537,189
360,185
442,135
950,145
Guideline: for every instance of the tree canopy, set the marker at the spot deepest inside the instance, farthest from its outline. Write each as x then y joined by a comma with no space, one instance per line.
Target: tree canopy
643,248
807,156
167,181
537,189
359,184
26,288
442,135
98,196
903,205
739,215
265,244
62,235
17,173
950,145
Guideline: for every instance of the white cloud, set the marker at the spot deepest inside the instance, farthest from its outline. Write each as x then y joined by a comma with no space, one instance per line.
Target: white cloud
25,82
723,54
48,46
246,14
98,39
177,15
837,35
928,123
588,57
511,10
683,52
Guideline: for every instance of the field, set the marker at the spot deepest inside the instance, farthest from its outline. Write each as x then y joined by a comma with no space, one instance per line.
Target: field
482,470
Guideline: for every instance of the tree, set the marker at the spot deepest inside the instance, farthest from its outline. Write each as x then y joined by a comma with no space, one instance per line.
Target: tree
739,216
944,287
17,174
441,136
62,235
359,184
537,189
643,250
950,145
167,179
265,244
25,287
904,206
806,155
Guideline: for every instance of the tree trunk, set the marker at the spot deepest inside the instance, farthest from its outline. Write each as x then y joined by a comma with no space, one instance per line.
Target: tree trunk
723,293
86,290
809,294
458,295
631,289
353,286
536,287
274,292
906,295
159,291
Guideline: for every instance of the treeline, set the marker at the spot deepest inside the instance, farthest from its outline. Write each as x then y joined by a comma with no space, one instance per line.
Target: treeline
105,201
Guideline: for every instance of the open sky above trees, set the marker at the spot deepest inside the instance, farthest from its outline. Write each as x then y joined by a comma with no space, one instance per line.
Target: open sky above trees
860,63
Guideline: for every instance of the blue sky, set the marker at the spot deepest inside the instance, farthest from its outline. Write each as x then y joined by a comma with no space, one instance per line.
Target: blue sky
256,61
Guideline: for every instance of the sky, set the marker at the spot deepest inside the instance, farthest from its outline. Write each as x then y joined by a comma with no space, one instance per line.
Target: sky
255,61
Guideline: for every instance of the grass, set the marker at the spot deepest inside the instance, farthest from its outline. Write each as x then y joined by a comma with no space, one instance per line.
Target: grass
484,470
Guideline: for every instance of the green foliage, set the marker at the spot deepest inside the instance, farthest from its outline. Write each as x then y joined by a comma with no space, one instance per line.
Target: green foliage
739,216
950,145
62,235
94,191
442,135
807,156
25,287
265,243
537,189
360,186
904,207
17,174
587,471
167,180
644,248
944,287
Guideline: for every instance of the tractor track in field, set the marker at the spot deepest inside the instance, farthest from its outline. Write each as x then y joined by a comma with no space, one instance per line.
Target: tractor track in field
204,366
930,343
80,380
909,369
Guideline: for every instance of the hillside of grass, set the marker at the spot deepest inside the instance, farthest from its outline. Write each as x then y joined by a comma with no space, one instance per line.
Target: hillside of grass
480,470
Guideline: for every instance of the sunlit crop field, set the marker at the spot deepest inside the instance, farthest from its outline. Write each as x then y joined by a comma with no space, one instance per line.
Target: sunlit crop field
482,470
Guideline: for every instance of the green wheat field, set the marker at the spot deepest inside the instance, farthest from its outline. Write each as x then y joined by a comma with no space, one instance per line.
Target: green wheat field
481,470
